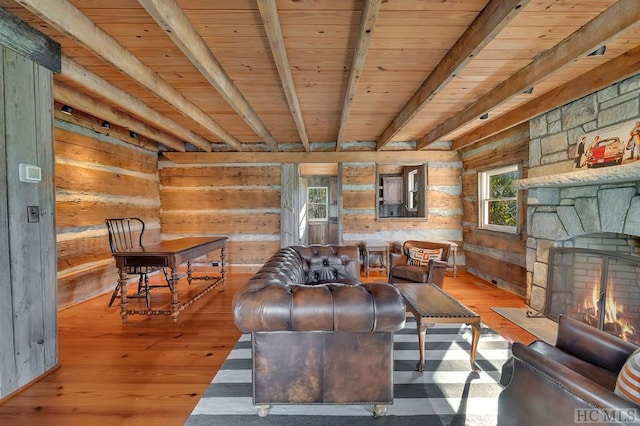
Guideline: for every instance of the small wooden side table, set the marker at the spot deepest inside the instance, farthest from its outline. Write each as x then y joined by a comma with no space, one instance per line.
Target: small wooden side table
375,246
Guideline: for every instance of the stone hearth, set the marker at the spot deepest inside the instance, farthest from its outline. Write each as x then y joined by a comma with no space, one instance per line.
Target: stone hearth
569,205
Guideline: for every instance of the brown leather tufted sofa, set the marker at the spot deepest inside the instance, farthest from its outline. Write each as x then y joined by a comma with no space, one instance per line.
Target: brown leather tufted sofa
571,382
318,334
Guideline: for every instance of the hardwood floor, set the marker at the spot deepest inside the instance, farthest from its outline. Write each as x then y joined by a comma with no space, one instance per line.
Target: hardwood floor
149,372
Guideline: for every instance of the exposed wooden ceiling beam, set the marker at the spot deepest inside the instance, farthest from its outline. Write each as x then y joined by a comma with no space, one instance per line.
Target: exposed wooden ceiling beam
271,21
171,18
391,157
616,19
70,21
126,102
491,20
67,95
367,23
29,42
598,78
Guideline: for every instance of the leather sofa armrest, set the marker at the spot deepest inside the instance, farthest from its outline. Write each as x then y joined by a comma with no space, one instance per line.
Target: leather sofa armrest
592,345
556,374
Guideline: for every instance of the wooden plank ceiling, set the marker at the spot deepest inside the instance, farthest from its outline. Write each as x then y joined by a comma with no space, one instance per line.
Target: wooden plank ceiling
331,75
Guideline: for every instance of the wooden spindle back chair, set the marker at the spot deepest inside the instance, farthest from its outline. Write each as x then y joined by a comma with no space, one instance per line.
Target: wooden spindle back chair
126,234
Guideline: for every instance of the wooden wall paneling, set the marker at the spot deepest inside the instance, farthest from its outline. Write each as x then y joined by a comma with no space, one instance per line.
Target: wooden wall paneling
360,199
336,229
78,286
353,174
98,175
473,236
73,177
470,211
217,223
243,202
289,209
82,250
46,201
449,176
513,277
101,150
443,200
221,198
185,177
250,252
7,349
93,213
27,288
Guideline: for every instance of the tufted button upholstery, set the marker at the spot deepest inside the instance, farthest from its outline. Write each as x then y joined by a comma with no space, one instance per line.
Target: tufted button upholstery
316,288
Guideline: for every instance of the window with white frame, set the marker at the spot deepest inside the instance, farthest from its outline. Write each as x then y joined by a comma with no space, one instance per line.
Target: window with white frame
317,203
498,199
412,189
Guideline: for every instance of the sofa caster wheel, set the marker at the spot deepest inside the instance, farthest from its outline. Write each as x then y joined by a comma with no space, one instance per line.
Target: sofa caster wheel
263,410
379,410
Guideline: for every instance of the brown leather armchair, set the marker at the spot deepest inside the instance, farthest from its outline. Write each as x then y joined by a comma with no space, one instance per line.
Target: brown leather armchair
555,385
318,334
401,271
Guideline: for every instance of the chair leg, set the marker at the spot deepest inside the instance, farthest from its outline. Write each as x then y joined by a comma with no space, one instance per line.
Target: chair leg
140,283
166,277
114,294
147,293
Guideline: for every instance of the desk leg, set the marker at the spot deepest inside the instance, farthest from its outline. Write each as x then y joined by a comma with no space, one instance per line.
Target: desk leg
122,283
189,272
175,305
222,270
422,332
475,329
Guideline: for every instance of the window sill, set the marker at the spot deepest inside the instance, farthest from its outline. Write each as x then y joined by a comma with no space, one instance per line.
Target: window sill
503,234
401,219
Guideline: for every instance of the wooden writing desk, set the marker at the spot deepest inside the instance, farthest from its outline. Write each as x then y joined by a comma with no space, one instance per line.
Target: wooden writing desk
170,254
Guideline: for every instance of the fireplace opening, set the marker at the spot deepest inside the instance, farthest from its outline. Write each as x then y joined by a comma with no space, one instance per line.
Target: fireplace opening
596,279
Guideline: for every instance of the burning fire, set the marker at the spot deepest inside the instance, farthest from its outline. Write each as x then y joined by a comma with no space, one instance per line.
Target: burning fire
614,321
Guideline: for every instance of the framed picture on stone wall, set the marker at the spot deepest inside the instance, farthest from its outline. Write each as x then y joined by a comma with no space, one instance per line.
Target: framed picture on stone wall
611,146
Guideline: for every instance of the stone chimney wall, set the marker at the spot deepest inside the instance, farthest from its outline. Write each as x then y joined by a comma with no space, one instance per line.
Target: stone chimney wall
563,203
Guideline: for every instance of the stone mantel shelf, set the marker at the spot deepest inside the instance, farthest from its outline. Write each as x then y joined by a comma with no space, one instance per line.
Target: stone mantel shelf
605,175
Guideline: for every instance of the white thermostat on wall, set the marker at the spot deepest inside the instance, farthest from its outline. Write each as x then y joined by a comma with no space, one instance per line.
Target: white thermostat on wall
30,173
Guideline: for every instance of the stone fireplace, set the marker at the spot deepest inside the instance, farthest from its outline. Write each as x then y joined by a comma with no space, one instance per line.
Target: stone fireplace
591,205
595,278
571,207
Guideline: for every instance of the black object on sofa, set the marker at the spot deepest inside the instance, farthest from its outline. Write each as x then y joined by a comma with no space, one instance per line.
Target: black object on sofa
318,334
571,381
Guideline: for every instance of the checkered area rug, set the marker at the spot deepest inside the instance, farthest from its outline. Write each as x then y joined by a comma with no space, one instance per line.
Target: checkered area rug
446,393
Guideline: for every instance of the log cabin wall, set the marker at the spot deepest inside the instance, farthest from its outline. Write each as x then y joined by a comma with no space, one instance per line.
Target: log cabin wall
100,173
241,201
444,204
497,257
